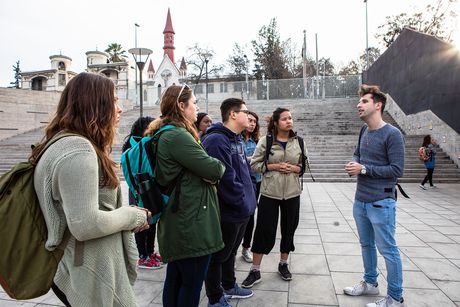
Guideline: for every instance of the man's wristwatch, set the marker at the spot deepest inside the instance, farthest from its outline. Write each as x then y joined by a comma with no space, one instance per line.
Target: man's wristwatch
363,170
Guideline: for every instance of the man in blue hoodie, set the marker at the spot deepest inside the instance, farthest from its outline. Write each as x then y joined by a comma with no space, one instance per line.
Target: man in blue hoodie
237,200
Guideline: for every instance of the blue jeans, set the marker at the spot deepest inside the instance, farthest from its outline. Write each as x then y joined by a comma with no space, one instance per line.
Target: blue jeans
376,223
184,280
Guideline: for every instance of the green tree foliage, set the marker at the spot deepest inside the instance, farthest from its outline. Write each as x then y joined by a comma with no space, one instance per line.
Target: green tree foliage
374,54
352,68
116,52
436,19
238,62
17,76
326,67
196,62
269,55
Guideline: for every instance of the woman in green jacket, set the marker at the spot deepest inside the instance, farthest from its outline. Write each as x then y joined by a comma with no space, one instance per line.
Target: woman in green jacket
189,228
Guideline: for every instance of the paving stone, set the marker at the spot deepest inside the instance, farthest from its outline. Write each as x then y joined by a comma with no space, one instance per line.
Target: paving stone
347,237
345,263
450,288
451,251
310,289
426,297
312,249
439,269
309,264
263,298
342,249
432,237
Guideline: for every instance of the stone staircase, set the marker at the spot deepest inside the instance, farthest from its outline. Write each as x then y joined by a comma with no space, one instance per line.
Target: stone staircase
329,127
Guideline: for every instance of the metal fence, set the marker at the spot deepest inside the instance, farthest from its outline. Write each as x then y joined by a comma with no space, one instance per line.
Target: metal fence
320,87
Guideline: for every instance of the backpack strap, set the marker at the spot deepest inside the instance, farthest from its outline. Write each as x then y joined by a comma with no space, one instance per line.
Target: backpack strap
268,149
177,179
50,142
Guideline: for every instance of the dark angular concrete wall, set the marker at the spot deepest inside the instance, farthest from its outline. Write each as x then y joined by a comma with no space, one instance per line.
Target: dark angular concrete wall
421,73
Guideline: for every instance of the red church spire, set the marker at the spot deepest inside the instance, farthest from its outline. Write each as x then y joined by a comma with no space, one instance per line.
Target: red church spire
151,69
169,38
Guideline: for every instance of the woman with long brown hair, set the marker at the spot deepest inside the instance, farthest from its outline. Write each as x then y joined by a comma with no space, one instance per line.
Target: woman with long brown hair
189,228
78,189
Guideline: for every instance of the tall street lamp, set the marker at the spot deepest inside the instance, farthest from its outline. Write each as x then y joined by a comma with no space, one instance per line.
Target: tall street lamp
207,57
135,67
367,41
141,56
246,62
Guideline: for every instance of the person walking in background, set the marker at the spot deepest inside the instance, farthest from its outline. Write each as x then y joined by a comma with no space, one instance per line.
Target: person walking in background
430,163
189,229
280,193
237,200
250,138
78,188
145,240
203,122
378,162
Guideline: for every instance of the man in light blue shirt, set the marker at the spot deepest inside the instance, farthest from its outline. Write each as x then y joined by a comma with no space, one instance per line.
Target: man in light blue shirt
378,161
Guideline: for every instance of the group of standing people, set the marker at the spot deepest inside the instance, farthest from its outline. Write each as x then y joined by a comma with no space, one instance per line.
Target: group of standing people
223,170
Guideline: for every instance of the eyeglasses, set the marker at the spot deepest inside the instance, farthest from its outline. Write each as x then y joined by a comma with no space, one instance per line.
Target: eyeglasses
247,112
180,92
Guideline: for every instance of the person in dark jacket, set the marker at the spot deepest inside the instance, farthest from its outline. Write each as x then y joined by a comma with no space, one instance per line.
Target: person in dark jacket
237,199
189,229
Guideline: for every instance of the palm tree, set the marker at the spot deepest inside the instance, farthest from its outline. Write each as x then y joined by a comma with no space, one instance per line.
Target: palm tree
116,52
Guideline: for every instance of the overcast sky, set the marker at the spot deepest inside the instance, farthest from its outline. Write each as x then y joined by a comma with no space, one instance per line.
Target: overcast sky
31,30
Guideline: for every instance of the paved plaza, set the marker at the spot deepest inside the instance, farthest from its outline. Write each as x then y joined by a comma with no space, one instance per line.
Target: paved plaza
327,256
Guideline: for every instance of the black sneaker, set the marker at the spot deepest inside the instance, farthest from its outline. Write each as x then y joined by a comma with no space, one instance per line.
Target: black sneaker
284,271
252,279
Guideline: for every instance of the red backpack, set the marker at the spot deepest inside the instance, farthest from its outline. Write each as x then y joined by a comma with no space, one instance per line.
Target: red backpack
422,154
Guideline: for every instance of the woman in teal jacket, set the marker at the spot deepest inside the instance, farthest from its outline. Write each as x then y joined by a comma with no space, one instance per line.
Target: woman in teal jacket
189,228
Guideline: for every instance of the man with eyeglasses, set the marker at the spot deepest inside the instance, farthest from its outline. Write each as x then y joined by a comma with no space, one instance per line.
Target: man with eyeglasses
237,200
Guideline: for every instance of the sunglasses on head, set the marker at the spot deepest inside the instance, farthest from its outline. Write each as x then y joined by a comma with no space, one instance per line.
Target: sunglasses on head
180,92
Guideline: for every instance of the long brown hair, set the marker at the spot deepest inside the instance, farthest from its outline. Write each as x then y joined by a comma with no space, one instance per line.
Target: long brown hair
171,113
426,140
87,107
255,135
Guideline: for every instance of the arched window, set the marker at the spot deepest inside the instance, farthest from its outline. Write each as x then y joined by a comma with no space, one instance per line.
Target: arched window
61,66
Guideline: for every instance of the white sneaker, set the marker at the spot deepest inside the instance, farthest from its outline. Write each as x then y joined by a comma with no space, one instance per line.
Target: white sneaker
387,301
422,187
433,186
363,288
246,254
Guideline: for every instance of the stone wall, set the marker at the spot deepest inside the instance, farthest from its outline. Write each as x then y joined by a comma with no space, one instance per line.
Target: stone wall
25,110
424,123
421,73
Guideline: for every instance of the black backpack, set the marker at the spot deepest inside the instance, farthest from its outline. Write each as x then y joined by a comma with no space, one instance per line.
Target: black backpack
304,159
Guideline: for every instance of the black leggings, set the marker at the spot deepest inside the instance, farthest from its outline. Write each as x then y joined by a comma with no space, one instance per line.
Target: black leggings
267,222
145,241
429,176
250,227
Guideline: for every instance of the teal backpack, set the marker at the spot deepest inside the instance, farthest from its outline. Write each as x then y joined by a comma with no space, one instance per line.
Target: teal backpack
139,169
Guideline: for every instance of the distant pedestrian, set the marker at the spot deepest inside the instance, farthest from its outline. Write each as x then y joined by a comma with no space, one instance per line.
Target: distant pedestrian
237,200
188,230
251,137
280,194
145,240
203,122
430,151
378,162
78,188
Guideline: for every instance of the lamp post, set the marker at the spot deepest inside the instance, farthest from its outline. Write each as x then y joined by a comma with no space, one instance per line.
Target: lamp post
367,41
135,67
207,57
246,62
141,56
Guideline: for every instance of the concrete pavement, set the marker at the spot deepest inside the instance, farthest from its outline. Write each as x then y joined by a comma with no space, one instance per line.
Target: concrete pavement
327,256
